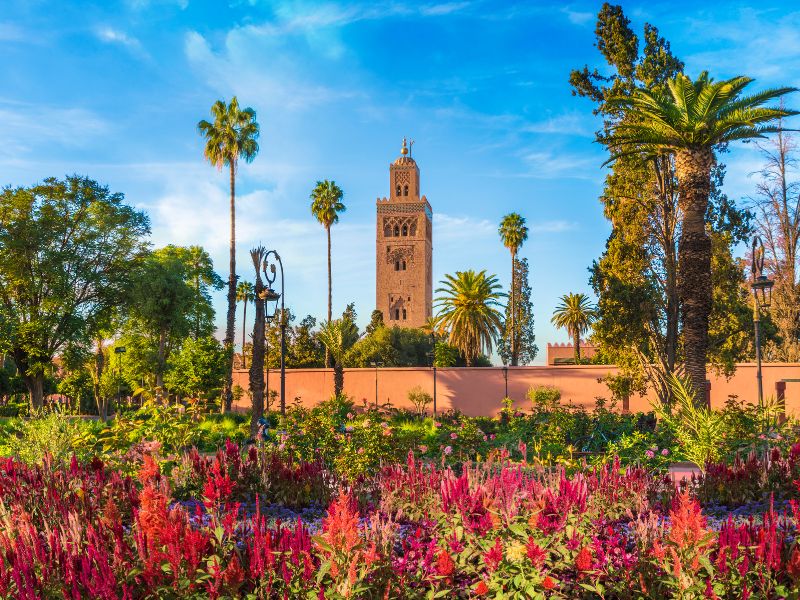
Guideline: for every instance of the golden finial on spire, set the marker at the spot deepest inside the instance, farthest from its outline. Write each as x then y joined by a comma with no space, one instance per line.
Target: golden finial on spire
404,149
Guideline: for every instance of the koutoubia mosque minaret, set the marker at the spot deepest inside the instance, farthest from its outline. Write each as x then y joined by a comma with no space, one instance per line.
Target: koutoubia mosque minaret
404,247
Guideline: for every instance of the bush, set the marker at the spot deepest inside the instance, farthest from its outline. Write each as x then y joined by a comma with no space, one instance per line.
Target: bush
420,399
544,397
50,434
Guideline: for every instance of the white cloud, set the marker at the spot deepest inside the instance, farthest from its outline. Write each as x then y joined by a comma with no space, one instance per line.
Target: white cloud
109,35
578,17
552,164
11,33
558,226
26,127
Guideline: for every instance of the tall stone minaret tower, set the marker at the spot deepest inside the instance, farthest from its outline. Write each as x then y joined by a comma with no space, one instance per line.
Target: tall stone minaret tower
404,248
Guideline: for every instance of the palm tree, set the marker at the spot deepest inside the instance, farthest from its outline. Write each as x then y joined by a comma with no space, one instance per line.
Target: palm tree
326,204
575,314
513,233
231,137
690,120
244,294
338,337
467,311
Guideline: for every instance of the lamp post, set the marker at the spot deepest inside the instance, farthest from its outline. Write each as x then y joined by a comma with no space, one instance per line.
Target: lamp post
271,298
505,377
433,366
120,350
762,298
376,364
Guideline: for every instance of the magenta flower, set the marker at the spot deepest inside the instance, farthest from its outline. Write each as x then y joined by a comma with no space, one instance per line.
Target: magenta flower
454,436
649,454
448,450
664,452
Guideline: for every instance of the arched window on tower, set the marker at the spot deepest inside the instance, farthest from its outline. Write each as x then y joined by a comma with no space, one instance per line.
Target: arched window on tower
404,265
405,230
397,265
405,190
396,231
404,314
397,190
396,314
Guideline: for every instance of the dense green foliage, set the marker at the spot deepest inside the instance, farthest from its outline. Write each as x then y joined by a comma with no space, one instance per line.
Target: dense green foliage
66,250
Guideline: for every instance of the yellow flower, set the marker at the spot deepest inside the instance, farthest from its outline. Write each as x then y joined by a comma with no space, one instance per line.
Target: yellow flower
516,552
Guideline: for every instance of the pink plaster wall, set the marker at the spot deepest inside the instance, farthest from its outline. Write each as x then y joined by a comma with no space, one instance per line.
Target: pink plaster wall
478,391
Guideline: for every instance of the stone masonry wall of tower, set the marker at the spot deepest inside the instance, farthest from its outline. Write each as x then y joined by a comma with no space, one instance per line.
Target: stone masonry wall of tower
404,248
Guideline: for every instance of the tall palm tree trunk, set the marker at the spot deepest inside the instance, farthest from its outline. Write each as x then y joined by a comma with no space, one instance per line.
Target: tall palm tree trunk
513,313
244,334
576,339
693,168
330,292
227,391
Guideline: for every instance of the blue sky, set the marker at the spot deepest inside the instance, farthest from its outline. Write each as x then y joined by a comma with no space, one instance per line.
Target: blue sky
114,90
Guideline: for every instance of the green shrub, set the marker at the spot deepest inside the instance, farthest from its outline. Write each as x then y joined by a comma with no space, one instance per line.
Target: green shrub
419,399
544,397
50,434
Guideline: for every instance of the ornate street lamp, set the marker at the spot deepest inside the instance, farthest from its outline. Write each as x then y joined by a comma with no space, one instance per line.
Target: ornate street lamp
271,298
762,298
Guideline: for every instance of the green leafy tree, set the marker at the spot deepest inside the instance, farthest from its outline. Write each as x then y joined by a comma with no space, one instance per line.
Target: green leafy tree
690,120
67,248
338,336
198,368
513,234
576,314
202,277
231,137
522,323
375,322
244,294
392,346
326,205
160,315
306,351
636,278
467,310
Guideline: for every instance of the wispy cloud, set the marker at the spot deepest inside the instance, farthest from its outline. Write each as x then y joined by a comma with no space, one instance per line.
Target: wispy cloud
553,164
109,35
27,127
11,33
578,17
558,226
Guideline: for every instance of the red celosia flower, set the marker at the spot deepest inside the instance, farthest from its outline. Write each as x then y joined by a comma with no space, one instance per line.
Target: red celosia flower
548,583
444,563
149,469
793,567
688,523
234,574
583,562
535,553
493,557
481,589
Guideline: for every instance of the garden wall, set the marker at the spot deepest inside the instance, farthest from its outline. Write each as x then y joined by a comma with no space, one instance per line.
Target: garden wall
477,391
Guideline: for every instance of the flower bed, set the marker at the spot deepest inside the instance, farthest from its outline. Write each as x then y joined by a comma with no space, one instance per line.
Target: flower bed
413,530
